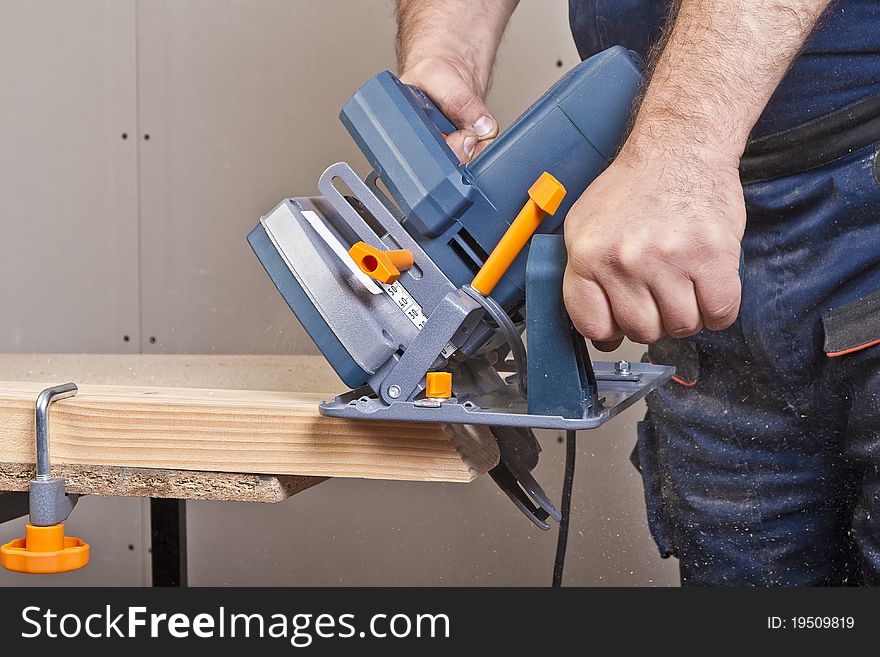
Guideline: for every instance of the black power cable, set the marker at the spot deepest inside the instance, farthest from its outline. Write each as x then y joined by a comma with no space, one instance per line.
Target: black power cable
567,485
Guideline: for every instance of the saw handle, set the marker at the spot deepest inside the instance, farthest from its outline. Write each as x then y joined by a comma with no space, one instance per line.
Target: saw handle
401,133
545,197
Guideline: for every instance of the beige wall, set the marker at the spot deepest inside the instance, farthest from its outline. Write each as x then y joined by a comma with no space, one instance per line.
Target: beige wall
105,237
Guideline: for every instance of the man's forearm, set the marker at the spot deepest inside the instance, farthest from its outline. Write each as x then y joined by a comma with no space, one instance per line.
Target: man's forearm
720,62
674,190
467,30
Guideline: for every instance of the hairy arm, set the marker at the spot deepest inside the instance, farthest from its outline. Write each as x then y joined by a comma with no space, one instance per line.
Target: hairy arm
654,241
717,67
448,48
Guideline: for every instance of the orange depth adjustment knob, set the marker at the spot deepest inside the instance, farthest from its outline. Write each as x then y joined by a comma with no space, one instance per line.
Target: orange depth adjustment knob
43,551
545,197
438,385
383,266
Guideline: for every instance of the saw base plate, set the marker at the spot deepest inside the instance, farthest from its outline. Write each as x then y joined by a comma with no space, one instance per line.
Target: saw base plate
506,407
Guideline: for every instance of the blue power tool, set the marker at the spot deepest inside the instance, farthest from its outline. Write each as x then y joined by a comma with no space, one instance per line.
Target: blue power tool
417,282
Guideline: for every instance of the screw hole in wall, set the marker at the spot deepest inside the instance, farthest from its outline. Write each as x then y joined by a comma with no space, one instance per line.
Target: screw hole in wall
152,340
559,63
125,135
125,338
147,137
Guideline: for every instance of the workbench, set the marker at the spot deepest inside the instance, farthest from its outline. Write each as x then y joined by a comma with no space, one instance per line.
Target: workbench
205,427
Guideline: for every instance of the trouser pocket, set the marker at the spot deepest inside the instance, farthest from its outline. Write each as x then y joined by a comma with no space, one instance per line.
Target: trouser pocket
647,458
680,353
852,327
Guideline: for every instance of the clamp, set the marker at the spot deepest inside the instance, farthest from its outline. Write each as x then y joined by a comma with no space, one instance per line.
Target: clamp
45,549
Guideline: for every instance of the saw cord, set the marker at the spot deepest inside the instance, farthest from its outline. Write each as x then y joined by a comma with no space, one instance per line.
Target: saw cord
567,485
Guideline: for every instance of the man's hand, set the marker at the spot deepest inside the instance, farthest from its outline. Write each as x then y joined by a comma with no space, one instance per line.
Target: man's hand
654,242
654,249
457,91
447,48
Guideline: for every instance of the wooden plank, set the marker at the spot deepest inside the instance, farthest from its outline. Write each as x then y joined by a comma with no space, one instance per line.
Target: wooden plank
239,431
228,431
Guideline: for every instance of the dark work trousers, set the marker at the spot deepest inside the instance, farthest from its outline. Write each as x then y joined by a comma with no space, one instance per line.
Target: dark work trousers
760,461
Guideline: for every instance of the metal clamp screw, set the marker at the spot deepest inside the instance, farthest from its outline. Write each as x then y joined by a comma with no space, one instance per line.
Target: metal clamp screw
622,367
41,416
394,391
48,503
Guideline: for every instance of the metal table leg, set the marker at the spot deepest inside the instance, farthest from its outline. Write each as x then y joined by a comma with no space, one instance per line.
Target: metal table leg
168,540
12,506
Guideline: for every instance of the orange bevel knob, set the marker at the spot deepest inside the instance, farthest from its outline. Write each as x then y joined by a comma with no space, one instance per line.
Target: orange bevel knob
438,385
545,197
44,550
383,266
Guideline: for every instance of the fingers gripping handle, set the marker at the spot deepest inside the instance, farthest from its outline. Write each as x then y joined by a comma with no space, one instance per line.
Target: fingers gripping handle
400,131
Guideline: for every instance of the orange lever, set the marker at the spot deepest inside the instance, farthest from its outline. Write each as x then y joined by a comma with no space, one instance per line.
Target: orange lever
383,266
438,385
545,197
44,550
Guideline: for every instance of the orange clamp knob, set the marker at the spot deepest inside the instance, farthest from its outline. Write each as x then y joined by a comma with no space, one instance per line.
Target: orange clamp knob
44,550
438,385
545,197
383,266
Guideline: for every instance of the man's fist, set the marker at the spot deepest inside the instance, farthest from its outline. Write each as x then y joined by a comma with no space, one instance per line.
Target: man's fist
654,247
456,91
